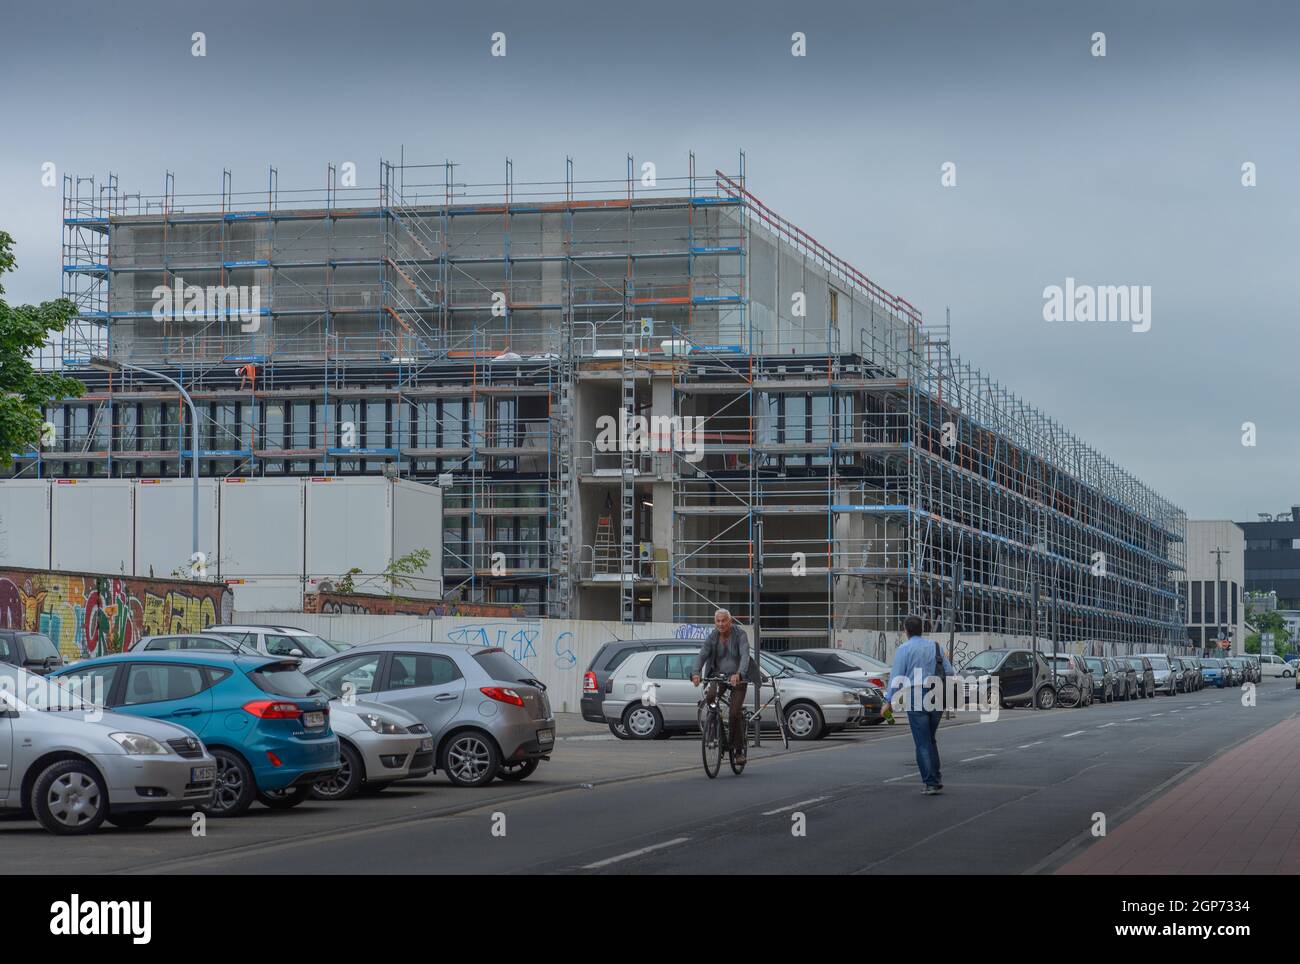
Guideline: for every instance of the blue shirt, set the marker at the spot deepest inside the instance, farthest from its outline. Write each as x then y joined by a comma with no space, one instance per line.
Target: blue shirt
913,664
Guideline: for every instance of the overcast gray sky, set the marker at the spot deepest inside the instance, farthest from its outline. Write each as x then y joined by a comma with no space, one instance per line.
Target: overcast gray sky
1117,170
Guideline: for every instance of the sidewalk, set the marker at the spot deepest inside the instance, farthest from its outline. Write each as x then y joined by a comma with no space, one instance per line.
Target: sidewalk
1238,815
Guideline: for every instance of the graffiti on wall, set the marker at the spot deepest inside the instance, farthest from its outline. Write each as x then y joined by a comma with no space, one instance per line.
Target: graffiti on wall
350,604
92,615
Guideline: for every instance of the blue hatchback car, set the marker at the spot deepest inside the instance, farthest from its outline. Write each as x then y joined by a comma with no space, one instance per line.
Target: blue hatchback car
1214,672
266,725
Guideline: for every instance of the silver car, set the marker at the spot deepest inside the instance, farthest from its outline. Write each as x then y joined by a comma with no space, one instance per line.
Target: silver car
377,745
201,642
651,693
72,765
487,715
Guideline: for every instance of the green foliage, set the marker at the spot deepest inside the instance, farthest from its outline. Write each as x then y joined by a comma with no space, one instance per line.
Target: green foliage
1269,622
345,583
23,389
398,571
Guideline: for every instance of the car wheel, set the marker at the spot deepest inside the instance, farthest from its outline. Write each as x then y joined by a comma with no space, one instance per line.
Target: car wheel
517,770
235,791
619,730
131,821
643,722
1045,698
470,759
69,797
805,722
344,783
284,799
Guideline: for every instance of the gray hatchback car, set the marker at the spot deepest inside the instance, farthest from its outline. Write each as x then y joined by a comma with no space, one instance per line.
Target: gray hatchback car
487,715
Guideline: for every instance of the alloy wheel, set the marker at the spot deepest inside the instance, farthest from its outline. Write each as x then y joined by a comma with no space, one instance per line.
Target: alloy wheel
230,785
468,758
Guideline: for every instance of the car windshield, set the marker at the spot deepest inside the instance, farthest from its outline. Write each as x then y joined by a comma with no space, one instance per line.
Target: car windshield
24,691
1094,665
982,662
1207,661
864,662
39,646
774,665
1159,662
283,679
1062,662
312,645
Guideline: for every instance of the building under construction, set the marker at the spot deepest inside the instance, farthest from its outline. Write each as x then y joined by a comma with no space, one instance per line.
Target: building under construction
477,336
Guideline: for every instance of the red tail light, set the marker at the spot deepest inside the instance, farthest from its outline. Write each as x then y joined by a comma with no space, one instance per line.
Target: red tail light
876,681
502,695
273,710
589,683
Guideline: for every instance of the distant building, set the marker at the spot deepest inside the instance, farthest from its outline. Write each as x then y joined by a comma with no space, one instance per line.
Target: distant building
1273,556
1214,614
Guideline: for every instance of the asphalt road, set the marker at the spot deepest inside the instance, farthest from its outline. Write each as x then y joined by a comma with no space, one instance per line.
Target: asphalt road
1020,796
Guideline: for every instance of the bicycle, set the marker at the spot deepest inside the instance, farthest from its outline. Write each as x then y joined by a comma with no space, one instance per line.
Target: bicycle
1068,695
715,725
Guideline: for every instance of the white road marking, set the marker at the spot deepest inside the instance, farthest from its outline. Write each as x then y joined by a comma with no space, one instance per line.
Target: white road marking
905,776
635,853
1075,733
982,756
1156,714
801,803
1025,746
1104,725
1133,719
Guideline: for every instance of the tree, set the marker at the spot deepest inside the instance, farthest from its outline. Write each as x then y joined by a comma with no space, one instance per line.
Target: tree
1268,622
23,389
402,567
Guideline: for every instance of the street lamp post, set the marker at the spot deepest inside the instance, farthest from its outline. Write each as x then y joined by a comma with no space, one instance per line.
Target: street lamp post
112,365
1218,578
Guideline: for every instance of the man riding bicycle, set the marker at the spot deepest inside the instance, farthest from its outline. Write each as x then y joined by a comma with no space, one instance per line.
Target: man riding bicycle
726,653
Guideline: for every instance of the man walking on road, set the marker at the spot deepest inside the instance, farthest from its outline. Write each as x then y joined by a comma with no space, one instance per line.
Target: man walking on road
918,675
726,653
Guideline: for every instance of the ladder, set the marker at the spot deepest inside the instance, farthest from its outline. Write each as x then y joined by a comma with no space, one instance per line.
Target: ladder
632,339
605,557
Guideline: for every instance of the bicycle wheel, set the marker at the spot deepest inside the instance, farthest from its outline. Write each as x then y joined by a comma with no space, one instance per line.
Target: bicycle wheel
780,724
1068,696
711,742
738,760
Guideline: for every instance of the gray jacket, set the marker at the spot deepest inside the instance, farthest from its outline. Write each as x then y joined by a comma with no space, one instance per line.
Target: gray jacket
724,660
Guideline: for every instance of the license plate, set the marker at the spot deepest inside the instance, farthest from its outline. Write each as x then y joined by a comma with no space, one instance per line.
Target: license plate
313,720
426,744
545,736
202,774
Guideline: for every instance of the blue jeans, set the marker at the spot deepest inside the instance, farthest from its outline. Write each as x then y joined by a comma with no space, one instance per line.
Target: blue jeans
925,727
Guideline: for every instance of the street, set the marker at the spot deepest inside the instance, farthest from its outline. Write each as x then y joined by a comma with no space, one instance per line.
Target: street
1021,795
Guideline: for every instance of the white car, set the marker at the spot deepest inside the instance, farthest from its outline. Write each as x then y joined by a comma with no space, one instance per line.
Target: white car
1275,666
844,662
283,641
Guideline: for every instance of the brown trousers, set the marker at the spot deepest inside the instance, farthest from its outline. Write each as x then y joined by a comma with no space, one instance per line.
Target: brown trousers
736,717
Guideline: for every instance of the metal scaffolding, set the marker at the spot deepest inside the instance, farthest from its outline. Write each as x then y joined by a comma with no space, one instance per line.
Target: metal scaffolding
469,335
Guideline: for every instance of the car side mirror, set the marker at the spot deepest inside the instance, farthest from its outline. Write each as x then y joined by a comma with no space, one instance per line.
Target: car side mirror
297,653
767,677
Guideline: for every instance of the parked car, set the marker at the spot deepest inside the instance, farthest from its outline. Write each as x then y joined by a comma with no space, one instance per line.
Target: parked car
34,652
871,696
1182,671
280,641
378,745
1231,672
1105,682
71,769
487,715
845,662
1024,677
1243,669
1214,671
203,642
266,725
813,706
1193,666
1275,666
607,659
1163,674
1067,666
1146,675
1126,679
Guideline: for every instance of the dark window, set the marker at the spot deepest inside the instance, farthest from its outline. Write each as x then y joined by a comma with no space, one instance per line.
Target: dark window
408,670
282,679
153,683
499,664
359,671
